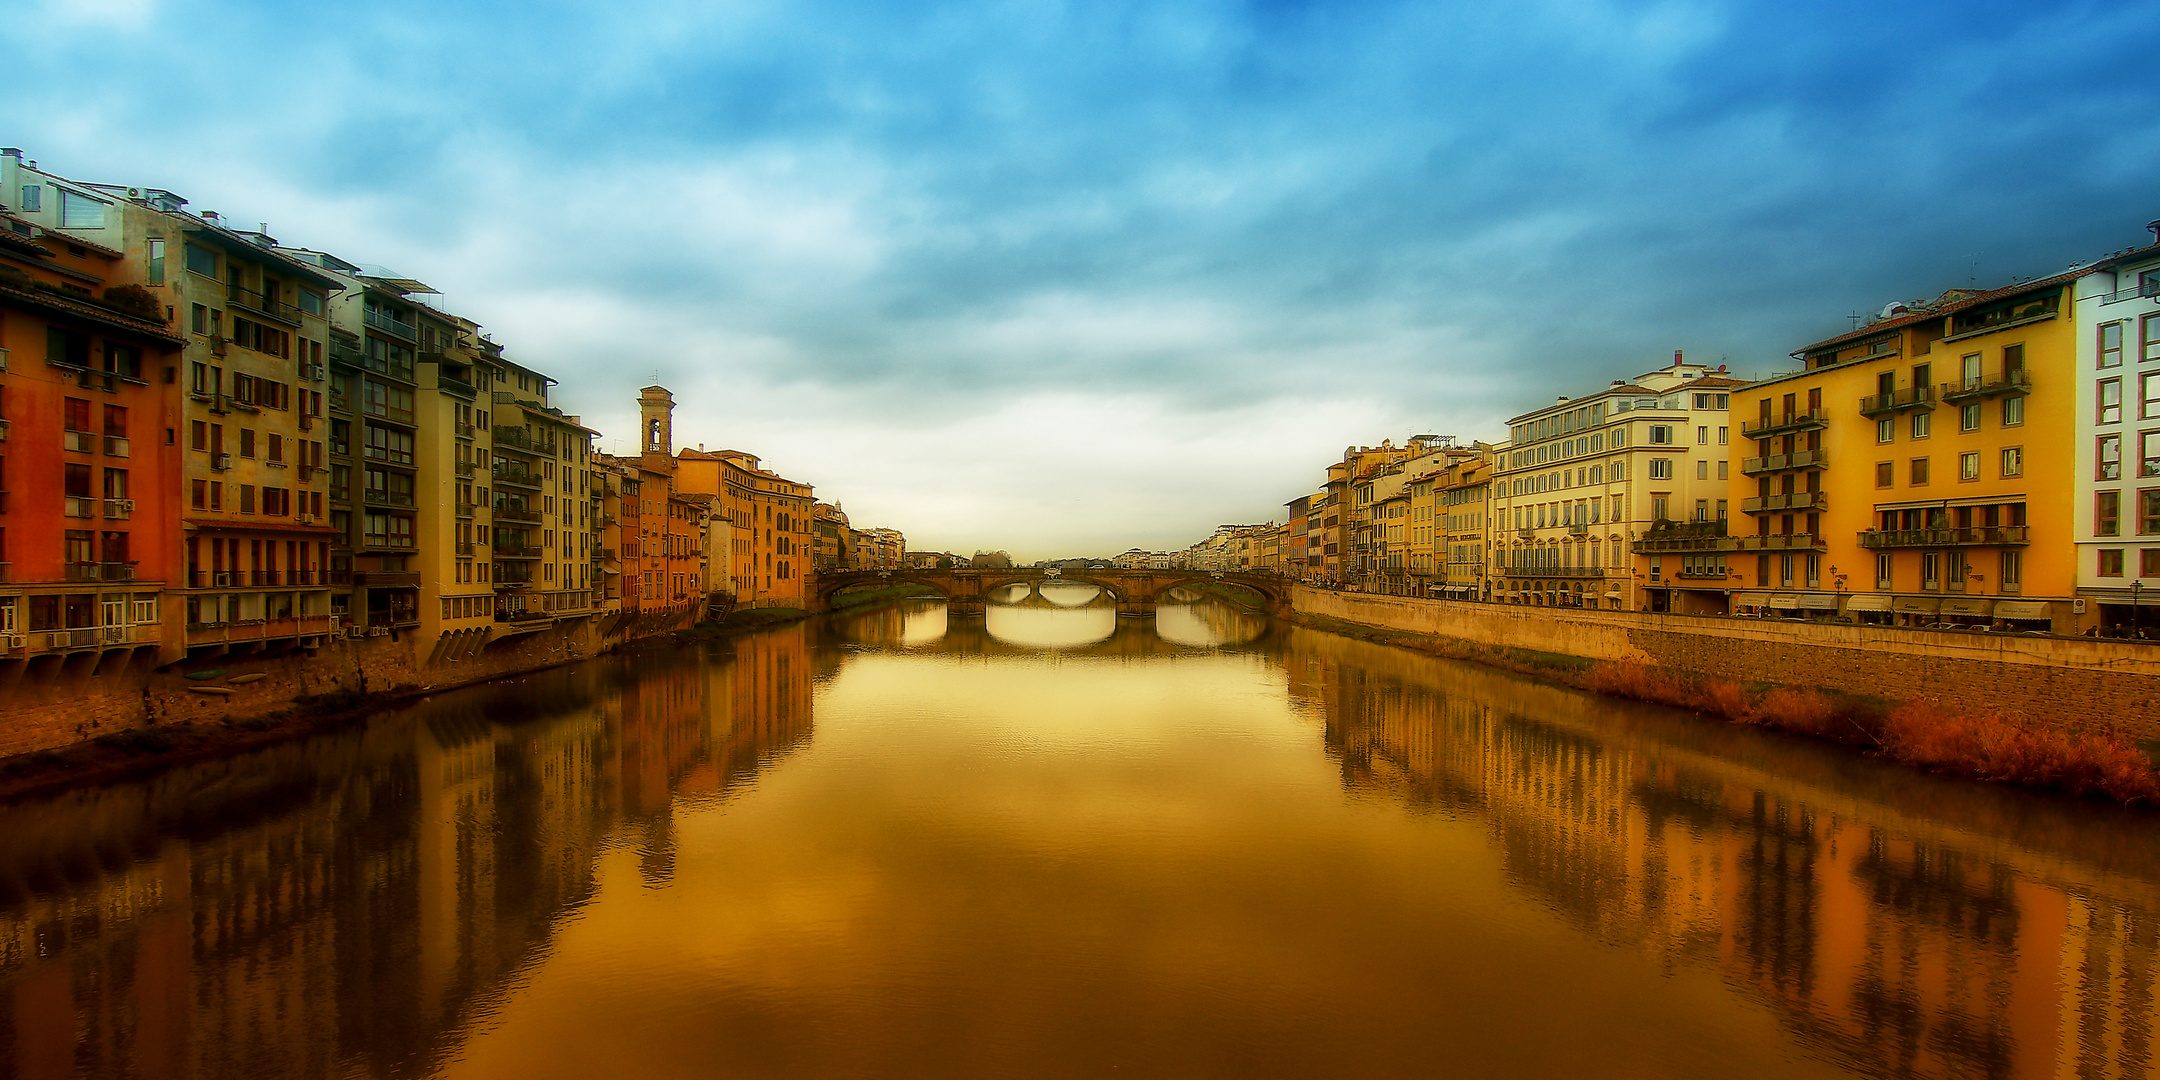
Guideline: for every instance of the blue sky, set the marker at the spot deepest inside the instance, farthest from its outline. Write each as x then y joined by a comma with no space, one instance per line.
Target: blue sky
1066,278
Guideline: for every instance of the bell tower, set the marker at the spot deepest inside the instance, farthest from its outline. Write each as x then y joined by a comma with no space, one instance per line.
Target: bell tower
656,425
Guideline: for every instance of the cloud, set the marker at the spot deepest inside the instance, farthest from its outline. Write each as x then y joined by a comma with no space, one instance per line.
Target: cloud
841,229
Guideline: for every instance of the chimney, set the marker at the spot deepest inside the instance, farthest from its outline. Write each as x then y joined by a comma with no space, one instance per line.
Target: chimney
1562,401
210,216
11,152
2152,225
1618,383
1676,358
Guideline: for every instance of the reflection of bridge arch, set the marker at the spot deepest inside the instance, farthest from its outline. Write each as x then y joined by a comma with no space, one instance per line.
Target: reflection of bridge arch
1136,591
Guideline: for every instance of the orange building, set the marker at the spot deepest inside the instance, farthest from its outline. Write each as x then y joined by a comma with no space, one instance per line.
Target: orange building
88,415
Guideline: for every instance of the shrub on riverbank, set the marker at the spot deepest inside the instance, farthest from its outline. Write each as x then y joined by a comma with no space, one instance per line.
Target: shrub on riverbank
1985,746
890,592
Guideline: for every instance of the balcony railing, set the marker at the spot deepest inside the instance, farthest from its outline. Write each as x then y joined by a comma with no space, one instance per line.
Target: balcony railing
1985,536
466,468
1910,398
1764,428
516,477
374,497
2015,381
1803,459
467,431
1778,542
119,509
516,513
511,549
1557,572
458,389
100,571
256,303
379,319
1798,500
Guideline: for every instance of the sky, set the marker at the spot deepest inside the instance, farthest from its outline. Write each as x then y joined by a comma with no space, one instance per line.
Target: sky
1067,278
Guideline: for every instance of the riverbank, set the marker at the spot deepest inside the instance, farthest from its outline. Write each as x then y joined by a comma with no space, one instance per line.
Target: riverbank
134,752
1922,730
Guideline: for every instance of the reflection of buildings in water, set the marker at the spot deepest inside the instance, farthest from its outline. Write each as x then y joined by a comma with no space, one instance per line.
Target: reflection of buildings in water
1207,623
1905,949
892,626
349,903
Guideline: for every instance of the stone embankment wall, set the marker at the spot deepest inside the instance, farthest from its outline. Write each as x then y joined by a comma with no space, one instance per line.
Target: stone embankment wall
2079,683
56,706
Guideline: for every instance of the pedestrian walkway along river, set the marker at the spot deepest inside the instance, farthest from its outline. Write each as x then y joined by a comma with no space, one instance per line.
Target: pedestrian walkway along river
1050,842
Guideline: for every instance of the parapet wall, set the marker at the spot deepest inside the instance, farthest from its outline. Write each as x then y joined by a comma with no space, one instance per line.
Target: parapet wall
2073,682
48,708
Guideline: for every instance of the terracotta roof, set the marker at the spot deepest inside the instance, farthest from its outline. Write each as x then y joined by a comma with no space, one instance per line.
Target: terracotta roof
1937,311
53,301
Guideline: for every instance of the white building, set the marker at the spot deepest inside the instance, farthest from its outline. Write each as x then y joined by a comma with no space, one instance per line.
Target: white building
2118,437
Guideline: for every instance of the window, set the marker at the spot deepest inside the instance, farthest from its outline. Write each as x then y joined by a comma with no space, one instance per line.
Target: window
2107,458
2149,335
1919,472
2111,562
2149,396
1702,434
2013,571
81,211
1661,434
1660,468
154,270
2107,513
2149,562
1885,473
1922,423
2013,461
2111,345
1886,430
201,260
2110,403
1969,417
1702,470
2149,511
33,200
1969,466
1882,570
2013,411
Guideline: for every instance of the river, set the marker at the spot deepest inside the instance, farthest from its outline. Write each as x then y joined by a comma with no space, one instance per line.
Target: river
1048,842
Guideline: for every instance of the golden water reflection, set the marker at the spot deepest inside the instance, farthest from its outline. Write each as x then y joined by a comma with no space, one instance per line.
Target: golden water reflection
1199,845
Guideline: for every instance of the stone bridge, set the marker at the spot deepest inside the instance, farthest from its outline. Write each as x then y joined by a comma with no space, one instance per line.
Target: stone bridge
965,591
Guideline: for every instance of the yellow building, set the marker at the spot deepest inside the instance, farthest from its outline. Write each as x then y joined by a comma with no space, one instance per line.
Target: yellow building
1918,470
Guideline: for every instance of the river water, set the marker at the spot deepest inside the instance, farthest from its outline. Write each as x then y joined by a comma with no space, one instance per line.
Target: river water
1050,842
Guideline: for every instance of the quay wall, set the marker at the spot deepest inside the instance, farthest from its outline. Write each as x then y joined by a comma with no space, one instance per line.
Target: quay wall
2077,683
50,706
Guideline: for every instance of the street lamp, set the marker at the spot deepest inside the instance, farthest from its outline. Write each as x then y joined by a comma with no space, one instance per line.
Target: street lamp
2136,624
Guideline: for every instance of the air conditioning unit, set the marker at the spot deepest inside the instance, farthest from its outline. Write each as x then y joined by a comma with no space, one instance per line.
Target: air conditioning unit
13,641
221,462
378,631
217,346
127,505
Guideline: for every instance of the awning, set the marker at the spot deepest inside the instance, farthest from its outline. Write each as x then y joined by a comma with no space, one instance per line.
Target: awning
1751,599
1867,602
1969,606
1916,605
1613,595
2023,609
1785,601
1820,601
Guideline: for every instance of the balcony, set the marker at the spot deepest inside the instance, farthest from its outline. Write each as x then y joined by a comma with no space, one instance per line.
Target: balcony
119,509
262,304
1578,529
79,442
2015,381
516,513
387,456
512,549
466,468
75,506
1996,536
1804,459
1912,398
1683,536
387,579
1791,422
465,547
374,497
380,319
1798,500
1702,573
516,477
456,388
116,446
100,571
1557,572
258,629
465,511
1779,542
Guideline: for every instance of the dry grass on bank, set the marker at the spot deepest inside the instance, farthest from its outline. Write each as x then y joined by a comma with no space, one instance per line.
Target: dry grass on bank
1984,745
